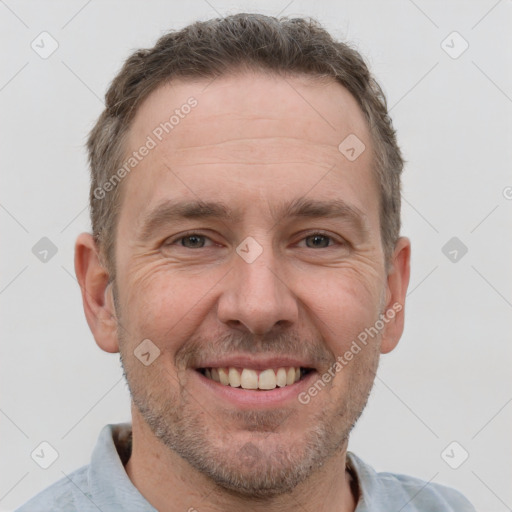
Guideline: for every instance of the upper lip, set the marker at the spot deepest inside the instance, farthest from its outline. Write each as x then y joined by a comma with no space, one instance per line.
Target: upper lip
253,363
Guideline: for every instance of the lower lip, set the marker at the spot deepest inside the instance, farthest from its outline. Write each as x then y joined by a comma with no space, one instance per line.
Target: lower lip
249,398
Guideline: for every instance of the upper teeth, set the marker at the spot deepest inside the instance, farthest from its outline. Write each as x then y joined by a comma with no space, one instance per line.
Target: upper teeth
251,379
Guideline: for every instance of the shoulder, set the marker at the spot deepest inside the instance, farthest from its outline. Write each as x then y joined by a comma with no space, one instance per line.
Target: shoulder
390,491
68,494
425,496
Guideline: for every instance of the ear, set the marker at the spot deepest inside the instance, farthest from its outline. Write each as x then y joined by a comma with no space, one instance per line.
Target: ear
97,294
397,283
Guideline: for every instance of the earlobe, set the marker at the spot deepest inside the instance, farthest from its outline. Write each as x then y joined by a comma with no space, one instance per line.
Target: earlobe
397,284
97,293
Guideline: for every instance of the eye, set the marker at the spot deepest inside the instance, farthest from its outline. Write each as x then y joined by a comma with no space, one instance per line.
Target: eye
318,241
192,241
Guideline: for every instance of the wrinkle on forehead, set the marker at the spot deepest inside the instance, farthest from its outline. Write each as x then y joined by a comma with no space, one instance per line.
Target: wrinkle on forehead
254,152
258,105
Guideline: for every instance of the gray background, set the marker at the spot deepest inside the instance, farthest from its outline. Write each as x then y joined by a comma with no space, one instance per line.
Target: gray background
448,380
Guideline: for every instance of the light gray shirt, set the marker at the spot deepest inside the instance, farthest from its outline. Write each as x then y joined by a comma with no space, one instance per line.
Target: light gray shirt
104,486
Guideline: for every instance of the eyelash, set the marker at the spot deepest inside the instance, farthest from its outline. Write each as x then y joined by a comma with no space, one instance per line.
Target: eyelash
310,234
332,239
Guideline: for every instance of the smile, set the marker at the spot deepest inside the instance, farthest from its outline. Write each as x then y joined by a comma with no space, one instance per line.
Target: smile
247,378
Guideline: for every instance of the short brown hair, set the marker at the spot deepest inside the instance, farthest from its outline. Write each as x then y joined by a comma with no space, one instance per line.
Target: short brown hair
208,49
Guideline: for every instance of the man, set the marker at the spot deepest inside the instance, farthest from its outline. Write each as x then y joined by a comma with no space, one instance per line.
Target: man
246,263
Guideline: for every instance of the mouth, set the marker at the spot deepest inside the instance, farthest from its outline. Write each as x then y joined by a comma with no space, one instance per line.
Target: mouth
256,380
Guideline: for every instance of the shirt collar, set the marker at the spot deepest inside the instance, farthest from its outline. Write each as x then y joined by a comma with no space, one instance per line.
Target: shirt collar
109,484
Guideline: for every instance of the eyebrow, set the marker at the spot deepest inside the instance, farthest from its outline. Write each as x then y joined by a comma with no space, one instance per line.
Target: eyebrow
315,208
174,210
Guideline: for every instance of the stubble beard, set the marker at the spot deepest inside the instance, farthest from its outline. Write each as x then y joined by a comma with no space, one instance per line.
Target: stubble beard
266,466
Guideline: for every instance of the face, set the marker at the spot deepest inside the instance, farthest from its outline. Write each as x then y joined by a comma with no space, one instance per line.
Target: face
248,249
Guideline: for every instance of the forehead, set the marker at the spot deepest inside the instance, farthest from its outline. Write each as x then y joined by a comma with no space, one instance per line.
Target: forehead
250,135
312,109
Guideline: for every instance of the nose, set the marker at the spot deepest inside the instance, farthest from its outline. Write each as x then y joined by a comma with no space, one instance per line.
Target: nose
256,296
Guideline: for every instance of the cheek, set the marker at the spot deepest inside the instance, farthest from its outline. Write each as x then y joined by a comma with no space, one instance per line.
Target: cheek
341,306
163,304
343,312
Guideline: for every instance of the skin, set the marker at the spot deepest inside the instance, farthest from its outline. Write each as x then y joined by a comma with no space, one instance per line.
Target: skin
254,142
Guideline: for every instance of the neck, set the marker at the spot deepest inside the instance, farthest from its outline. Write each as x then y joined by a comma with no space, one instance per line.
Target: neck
169,483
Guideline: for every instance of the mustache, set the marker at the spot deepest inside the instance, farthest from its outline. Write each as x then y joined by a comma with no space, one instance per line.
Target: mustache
199,347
